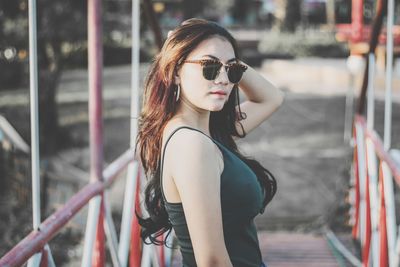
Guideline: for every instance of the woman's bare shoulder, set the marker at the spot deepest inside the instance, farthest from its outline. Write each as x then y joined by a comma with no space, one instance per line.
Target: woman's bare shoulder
188,145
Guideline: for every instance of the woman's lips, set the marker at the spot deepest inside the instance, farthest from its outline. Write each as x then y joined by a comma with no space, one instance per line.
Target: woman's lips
220,92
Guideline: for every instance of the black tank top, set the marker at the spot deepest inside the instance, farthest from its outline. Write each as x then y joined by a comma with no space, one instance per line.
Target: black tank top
241,201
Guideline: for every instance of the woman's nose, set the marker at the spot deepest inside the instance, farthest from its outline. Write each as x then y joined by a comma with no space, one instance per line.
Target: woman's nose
222,76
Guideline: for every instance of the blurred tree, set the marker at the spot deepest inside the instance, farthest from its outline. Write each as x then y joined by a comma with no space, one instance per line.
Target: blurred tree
11,27
222,5
192,8
240,10
287,15
59,23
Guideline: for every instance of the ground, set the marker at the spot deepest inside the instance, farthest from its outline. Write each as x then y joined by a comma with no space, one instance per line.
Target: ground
302,144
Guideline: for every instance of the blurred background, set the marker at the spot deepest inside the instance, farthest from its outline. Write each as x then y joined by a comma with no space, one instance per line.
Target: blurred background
300,45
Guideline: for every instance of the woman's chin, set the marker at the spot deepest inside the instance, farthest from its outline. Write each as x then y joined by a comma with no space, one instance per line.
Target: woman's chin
216,107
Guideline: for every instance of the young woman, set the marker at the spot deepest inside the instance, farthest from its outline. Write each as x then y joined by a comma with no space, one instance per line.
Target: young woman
200,184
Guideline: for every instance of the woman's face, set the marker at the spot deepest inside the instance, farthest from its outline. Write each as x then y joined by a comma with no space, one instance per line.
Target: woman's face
198,92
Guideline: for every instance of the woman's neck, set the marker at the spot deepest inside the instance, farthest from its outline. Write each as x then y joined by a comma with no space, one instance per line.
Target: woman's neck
194,116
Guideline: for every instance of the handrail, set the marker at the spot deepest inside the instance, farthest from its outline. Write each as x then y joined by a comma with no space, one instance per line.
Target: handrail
380,151
374,227
371,193
36,240
100,225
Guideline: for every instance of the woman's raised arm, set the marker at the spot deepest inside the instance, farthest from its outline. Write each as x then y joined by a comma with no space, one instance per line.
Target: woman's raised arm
263,98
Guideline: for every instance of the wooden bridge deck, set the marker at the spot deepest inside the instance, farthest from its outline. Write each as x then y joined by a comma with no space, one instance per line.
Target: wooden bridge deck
286,249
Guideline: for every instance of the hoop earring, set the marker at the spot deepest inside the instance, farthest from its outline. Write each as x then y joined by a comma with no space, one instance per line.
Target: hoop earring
177,92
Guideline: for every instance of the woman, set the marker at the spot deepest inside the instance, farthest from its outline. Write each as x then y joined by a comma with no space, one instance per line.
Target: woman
200,184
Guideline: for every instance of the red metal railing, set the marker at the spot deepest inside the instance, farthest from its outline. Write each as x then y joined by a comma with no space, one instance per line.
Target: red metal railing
36,240
364,226
100,226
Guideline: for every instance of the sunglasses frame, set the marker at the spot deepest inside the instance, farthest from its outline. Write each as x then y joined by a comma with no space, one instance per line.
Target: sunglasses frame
203,62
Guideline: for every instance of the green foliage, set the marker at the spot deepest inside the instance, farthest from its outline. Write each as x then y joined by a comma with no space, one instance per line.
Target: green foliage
302,43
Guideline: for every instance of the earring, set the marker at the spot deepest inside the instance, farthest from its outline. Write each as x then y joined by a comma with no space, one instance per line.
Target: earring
177,92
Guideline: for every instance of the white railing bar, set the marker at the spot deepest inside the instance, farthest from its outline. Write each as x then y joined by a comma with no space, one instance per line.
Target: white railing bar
127,213
90,232
389,74
397,251
34,118
349,111
110,231
135,78
155,259
150,256
148,250
146,256
168,251
371,93
34,261
130,188
362,175
50,260
389,193
371,163
390,213
34,112
374,200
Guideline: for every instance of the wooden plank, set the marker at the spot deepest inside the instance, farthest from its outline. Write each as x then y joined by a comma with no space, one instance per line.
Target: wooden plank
286,249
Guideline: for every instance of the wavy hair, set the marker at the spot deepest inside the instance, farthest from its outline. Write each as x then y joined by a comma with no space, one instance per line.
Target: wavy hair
159,106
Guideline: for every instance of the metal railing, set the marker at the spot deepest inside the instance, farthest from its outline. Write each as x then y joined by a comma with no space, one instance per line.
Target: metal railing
373,215
100,226
374,220
37,239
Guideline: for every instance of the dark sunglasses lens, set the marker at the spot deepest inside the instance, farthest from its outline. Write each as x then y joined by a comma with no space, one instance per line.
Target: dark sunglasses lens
210,70
235,73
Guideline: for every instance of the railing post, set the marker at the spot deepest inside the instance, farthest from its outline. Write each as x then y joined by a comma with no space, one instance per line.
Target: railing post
34,117
356,223
371,163
111,233
374,201
96,207
387,176
130,188
362,178
135,255
366,251
390,213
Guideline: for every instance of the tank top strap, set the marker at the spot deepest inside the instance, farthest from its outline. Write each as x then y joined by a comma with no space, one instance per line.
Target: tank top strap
163,154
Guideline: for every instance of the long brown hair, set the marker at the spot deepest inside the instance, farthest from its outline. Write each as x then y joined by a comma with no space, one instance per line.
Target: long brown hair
159,106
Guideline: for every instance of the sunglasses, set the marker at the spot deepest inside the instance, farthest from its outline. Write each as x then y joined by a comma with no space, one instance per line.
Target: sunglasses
212,67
